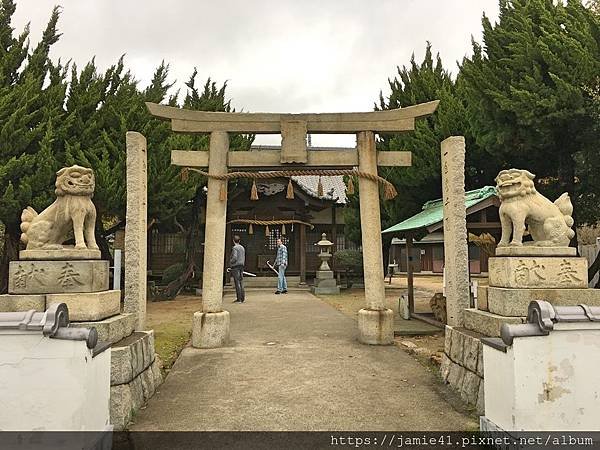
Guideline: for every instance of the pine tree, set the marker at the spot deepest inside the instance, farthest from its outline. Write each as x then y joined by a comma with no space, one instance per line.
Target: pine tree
32,92
525,88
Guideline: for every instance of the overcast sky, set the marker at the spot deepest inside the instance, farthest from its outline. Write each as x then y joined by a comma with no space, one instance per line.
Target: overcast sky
277,55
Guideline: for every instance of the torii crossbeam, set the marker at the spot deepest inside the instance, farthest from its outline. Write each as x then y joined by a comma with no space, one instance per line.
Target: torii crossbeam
211,326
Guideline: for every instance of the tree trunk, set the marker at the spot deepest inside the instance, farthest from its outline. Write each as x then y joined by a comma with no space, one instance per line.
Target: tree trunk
10,252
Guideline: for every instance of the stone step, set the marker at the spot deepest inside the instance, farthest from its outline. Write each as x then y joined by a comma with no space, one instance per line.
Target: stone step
88,306
111,330
487,323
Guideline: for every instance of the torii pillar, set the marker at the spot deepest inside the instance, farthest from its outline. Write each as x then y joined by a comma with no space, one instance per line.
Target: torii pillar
375,321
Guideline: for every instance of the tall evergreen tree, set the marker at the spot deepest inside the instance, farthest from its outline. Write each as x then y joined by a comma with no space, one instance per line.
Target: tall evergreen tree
32,93
525,88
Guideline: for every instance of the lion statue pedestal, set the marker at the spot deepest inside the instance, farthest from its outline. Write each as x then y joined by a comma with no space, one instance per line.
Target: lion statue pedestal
49,272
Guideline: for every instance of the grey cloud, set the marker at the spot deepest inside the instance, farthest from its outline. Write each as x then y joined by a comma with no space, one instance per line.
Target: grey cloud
279,55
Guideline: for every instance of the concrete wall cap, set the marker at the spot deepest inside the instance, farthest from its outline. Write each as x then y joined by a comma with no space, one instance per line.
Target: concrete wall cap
542,316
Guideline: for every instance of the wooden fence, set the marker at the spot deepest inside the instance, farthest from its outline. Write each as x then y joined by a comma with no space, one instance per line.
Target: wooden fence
590,251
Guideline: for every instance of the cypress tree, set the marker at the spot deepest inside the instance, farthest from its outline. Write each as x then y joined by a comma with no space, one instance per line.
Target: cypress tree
525,88
32,92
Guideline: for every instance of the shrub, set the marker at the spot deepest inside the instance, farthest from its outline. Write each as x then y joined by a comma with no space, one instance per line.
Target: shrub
349,259
173,272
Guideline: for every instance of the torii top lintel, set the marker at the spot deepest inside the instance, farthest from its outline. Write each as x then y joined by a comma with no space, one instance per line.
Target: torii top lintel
395,120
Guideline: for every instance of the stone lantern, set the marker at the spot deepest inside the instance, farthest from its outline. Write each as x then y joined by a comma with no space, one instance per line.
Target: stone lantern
325,254
325,282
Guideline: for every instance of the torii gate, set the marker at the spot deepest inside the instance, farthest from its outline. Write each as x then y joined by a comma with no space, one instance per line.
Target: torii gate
375,321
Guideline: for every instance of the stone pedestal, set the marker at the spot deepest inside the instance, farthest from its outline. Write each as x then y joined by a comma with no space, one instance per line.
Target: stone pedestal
67,253
564,272
376,327
57,277
210,330
325,283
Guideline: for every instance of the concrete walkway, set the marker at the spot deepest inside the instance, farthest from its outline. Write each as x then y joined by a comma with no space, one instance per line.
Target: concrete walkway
294,364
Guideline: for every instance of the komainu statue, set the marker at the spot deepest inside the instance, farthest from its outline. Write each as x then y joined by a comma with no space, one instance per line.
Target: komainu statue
549,224
72,210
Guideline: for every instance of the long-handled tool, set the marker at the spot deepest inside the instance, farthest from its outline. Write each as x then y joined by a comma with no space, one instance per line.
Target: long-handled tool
244,272
272,268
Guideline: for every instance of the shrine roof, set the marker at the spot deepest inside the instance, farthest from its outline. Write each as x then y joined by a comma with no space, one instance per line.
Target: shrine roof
334,188
432,214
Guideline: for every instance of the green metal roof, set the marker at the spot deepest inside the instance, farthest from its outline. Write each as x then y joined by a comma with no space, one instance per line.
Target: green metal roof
433,211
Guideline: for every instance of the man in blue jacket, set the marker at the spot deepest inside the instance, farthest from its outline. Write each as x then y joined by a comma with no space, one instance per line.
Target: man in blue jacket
281,262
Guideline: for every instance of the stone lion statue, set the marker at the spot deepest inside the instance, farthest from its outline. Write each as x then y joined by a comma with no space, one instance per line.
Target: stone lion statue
72,210
549,224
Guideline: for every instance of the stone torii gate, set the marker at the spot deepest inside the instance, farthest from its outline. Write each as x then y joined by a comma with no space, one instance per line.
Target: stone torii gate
375,321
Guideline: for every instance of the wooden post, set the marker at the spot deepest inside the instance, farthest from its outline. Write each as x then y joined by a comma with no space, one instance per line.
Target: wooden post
333,233
409,273
302,253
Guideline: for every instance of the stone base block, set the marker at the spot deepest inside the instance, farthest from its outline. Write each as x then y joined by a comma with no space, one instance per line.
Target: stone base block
131,356
57,277
482,298
544,272
324,274
126,399
534,250
325,286
376,327
464,348
16,303
210,330
462,365
88,306
514,302
67,253
112,329
487,323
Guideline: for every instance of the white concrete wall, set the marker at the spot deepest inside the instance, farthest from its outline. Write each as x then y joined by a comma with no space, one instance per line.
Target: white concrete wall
546,383
52,385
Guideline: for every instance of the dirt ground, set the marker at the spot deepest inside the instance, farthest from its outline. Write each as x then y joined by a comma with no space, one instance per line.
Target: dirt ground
427,349
172,325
